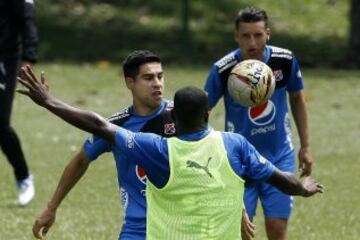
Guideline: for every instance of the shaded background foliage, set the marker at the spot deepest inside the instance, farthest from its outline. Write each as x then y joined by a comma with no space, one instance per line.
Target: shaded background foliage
79,30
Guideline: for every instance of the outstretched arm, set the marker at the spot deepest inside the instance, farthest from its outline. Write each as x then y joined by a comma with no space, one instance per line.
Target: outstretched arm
88,121
71,175
290,185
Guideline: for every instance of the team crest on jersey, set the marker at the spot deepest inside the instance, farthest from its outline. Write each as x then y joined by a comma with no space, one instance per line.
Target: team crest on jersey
278,74
140,173
169,128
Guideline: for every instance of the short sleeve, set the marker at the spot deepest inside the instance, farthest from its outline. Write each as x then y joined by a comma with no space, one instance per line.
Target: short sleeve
295,81
245,159
147,150
258,168
95,146
214,87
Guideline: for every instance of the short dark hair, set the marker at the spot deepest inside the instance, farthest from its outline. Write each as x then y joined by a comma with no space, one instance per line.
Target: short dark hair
134,60
190,106
250,15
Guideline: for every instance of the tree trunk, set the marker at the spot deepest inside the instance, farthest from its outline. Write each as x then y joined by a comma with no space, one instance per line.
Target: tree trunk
354,44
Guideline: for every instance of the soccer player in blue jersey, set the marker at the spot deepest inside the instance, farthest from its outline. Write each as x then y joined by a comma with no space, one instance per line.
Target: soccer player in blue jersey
180,168
149,113
267,127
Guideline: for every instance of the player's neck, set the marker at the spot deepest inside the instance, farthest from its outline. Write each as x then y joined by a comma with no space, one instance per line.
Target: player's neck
261,57
183,130
144,110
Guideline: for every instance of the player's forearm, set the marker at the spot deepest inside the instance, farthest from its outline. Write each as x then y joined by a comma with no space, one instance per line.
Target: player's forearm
287,183
298,109
71,175
86,120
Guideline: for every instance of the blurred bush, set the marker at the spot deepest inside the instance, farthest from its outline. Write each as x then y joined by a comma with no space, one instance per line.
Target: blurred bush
79,30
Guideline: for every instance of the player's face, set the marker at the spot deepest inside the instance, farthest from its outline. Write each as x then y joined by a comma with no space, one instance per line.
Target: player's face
252,38
147,88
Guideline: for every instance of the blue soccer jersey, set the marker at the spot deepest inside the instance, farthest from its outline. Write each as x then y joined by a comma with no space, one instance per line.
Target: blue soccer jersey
267,127
151,152
131,177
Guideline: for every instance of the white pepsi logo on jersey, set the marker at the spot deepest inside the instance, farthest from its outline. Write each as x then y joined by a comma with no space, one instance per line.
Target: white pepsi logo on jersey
263,114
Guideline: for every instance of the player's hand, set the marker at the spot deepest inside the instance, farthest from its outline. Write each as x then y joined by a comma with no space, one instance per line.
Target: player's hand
24,64
311,187
305,161
43,223
36,90
247,227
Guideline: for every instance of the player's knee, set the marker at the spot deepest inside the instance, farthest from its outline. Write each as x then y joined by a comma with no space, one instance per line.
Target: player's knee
276,229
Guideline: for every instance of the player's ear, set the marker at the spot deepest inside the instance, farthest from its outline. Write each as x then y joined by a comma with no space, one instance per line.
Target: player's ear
236,36
268,34
206,116
129,82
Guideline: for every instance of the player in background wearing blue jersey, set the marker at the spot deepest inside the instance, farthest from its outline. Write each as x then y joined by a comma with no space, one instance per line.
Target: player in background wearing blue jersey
151,151
267,126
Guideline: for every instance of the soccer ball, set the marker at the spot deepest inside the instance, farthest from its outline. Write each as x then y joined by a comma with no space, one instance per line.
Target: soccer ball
251,83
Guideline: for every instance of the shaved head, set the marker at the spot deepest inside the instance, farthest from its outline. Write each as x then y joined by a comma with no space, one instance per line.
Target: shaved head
191,107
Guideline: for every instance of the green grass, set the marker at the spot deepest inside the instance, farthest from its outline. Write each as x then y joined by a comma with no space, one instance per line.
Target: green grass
92,210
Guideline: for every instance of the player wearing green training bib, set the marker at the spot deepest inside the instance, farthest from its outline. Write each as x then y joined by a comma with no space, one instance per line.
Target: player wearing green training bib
203,197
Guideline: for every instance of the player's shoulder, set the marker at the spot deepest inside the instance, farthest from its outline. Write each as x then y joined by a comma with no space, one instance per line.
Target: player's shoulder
282,53
166,109
233,137
228,61
163,123
120,117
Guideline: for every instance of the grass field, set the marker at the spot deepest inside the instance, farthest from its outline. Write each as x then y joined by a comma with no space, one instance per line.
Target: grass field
92,210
